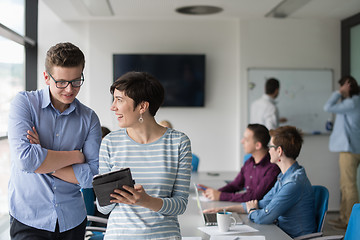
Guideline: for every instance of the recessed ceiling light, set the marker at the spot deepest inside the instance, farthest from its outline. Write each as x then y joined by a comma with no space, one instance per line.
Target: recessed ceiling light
199,10
286,7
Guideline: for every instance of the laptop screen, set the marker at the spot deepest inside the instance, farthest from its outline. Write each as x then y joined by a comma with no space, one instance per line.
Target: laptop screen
209,219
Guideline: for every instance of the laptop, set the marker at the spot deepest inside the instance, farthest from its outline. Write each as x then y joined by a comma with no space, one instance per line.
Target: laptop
209,219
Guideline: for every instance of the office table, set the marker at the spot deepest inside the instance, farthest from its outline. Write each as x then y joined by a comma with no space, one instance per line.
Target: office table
192,218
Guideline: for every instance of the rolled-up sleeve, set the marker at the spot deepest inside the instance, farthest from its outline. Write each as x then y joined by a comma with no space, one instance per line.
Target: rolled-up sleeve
279,203
84,172
332,105
26,156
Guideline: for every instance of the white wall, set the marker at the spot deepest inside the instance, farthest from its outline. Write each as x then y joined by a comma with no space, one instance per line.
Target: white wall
210,127
231,46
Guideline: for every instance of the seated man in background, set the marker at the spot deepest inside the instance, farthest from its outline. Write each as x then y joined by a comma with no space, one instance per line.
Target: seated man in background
256,177
290,203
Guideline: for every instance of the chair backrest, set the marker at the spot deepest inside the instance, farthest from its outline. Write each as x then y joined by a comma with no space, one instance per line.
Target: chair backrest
89,198
194,163
246,157
321,194
353,230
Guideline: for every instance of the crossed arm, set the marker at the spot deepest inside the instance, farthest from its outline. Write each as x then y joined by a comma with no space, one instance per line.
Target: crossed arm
58,163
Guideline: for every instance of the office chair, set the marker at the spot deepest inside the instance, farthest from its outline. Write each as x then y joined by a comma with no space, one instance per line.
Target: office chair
95,232
353,230
246,157
194,163
321,195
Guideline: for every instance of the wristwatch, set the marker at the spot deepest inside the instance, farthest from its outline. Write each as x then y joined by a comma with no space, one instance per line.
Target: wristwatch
252,209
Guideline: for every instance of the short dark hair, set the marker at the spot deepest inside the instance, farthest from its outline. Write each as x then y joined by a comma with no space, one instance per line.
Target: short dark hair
271,85
104,131
354,87
64,55
289,138
141,86
261,134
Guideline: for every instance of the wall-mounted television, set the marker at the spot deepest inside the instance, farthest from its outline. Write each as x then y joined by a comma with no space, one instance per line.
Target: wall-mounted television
182,75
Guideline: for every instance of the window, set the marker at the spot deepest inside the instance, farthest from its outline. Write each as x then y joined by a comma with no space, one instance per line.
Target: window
12,56
350,46
12,77
18,35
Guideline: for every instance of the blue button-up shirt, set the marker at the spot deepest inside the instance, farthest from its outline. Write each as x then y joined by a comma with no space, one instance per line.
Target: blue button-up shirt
39,200
345,136
290,203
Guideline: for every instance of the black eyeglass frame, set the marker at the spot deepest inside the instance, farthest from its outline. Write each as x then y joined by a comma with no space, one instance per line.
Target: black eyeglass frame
81,80
272,146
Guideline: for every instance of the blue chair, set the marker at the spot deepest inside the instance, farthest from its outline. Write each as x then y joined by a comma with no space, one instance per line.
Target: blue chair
321,195
246,157
97,233
353,229
194,163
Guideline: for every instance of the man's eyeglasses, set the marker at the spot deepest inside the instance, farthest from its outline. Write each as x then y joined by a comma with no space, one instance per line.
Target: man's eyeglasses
272,146
63,84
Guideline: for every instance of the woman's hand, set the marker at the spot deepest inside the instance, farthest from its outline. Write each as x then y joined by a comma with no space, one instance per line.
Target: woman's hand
33,136
214,210
252,204
136,196
234,208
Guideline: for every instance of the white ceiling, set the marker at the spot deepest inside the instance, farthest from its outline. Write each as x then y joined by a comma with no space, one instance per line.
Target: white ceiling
77,10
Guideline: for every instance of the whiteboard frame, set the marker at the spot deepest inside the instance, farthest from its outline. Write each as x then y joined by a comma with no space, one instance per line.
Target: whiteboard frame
315,127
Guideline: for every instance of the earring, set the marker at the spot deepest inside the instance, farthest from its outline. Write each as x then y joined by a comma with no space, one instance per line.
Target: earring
141,120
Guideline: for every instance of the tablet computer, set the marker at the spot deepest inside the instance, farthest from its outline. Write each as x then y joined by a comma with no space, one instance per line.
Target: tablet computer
105,184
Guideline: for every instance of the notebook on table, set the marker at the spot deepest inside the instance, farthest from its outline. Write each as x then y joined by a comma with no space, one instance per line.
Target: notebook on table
209,219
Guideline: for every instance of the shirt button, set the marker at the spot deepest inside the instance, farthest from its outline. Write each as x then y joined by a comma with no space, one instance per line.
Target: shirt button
54,188
247,187
266,210
57,134
250,177
254,166
56,205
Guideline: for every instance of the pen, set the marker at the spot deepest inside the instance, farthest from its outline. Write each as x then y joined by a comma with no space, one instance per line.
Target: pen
201,187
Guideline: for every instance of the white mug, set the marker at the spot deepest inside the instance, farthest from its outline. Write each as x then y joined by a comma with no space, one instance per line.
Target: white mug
224,221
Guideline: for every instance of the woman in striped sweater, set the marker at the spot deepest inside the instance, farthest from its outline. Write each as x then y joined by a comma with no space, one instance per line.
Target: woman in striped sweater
159,159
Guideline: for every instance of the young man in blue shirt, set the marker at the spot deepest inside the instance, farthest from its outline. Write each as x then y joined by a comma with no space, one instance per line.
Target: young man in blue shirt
54,143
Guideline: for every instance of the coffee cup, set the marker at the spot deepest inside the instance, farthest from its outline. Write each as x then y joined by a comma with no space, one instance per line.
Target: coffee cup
225,220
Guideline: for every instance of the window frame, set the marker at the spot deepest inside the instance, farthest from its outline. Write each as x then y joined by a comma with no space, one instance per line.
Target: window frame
29,41
346,26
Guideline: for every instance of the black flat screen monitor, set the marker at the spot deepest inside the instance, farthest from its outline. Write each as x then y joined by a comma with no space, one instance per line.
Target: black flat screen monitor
182,75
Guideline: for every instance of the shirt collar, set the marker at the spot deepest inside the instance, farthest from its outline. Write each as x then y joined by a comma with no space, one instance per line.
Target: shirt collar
46,97
47,101
267,97
264,160
289,172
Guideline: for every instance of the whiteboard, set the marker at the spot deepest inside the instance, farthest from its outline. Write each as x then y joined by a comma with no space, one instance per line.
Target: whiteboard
303,93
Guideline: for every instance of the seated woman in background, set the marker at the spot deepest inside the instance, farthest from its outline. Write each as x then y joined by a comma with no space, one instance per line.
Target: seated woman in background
290,203
159,159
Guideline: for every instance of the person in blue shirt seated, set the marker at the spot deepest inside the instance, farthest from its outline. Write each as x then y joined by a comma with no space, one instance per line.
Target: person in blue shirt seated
54,143
290,203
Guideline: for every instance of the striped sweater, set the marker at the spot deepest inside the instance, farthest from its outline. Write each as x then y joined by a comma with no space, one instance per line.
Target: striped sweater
163,168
